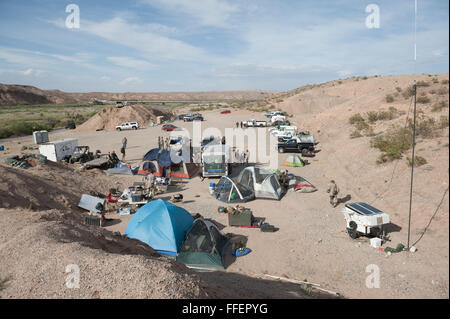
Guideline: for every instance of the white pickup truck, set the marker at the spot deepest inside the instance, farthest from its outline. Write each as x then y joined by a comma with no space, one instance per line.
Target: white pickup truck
127,126
255,123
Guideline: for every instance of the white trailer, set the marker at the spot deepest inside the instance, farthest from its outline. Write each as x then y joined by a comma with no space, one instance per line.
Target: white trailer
57,150
365,219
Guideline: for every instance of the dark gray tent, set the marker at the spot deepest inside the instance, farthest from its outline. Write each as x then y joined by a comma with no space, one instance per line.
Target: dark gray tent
204,247
229,191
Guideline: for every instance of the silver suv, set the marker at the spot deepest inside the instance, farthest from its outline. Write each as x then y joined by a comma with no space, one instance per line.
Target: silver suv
128,126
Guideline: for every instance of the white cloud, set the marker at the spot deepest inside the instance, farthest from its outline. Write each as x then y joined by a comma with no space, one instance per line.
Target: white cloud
128,62
143,40
28,71
205,12
132,79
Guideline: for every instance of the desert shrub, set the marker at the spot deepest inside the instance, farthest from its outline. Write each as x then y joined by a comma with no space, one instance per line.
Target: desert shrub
399,89
423,99
439,106
22,128
355,119
364,77
422,83
392,144
355,134
389,98
443,122
408,92
444,82
372,116
4,282
425,126
435,80
418,161
339,82
442,91
391,114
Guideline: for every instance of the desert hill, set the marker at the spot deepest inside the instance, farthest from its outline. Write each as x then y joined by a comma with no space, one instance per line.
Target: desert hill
12,94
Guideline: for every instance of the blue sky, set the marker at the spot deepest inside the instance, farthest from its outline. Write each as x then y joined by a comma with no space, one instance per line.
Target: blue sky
204,45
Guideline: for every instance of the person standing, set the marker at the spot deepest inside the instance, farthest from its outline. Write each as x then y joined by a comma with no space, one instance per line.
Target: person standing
246,155
124,147
237,157
333,190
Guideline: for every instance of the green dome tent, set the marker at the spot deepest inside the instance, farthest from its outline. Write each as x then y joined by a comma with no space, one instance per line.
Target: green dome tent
294,160
204,247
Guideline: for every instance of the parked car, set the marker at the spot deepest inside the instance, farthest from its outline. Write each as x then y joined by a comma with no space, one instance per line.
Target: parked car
192,117
292,145
255,123
198,118
225,112
128,126
168,127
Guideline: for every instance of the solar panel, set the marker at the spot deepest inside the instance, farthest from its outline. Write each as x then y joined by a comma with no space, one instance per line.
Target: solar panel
364,208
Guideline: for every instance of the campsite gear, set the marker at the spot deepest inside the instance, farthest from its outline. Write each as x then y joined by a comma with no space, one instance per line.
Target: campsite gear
260,181
99,207
161,225
2,147
125,211
399,248
205,247
375,242
89,203
300,185
57,150
101,162
211,187
239,252
177,198
241,219
362,218
222,210
294,160
92,220
264,227
166,159
229,191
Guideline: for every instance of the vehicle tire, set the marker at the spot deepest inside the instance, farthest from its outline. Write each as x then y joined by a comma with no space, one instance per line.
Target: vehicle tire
134,128
352,232
304,152
281,150
119,129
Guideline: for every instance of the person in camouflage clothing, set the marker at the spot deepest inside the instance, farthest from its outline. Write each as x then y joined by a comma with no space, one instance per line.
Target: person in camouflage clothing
333,190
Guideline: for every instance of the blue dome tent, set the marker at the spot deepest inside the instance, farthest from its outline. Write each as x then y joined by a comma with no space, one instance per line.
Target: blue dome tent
161,225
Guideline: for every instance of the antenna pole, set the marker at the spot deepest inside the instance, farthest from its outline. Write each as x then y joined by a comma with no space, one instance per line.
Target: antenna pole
414,127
